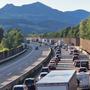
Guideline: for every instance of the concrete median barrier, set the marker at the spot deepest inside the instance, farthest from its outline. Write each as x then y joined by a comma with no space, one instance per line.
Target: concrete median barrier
8,58
44,59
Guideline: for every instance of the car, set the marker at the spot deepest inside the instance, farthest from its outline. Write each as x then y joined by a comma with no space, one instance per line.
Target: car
76,51
42,74
45,69
52,66
58,56
20,87
54,60
58,52
36,48
30,83
82,69
75,58
71,50
58,49
77,63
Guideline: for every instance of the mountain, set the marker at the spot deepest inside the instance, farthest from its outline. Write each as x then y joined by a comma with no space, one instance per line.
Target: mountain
39,18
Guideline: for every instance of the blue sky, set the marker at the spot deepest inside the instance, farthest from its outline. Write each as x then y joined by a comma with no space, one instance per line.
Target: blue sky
63,5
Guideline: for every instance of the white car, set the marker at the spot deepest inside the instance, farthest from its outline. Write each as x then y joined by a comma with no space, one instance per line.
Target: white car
42,74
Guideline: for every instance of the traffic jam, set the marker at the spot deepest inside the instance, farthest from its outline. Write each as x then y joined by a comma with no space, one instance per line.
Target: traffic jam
67,70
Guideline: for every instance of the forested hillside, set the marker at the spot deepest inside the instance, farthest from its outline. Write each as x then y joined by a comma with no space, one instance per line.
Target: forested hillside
39,18
80,31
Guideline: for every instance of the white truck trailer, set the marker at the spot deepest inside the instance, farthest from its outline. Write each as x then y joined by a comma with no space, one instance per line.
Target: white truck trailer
58,80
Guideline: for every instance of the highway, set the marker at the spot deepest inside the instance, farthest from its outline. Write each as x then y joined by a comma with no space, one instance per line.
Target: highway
66,62
19,64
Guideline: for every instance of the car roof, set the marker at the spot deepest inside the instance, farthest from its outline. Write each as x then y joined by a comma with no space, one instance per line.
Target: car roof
82,68
19,86
44,67
43,73
30,79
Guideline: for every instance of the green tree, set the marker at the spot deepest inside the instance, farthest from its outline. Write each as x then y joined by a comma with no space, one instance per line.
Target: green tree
12,39
1,33
85,29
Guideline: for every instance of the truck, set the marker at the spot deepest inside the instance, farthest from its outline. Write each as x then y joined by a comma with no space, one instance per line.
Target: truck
58,80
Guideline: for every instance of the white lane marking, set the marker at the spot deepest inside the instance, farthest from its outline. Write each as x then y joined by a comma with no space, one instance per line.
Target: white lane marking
9,74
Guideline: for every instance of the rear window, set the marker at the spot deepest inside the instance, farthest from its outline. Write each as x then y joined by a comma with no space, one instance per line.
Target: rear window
83,70
18,88
84,64
42,75
29,81
77,64
45,70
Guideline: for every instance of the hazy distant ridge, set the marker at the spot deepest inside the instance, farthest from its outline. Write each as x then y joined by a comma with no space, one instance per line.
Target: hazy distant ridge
38,17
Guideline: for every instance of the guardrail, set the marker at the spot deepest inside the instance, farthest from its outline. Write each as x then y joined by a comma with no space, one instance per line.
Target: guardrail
44,59
7,59
81,50
7,55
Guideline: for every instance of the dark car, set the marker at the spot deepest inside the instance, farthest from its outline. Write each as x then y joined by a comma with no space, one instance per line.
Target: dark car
55,60
75,58
82,69
52,66
36,48
76,52
58,56
30,83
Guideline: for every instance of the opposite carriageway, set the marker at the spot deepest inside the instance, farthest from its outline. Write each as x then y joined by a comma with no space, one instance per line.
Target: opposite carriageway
15,72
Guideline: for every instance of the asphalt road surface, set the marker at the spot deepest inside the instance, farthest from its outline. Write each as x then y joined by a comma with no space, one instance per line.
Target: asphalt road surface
17,65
